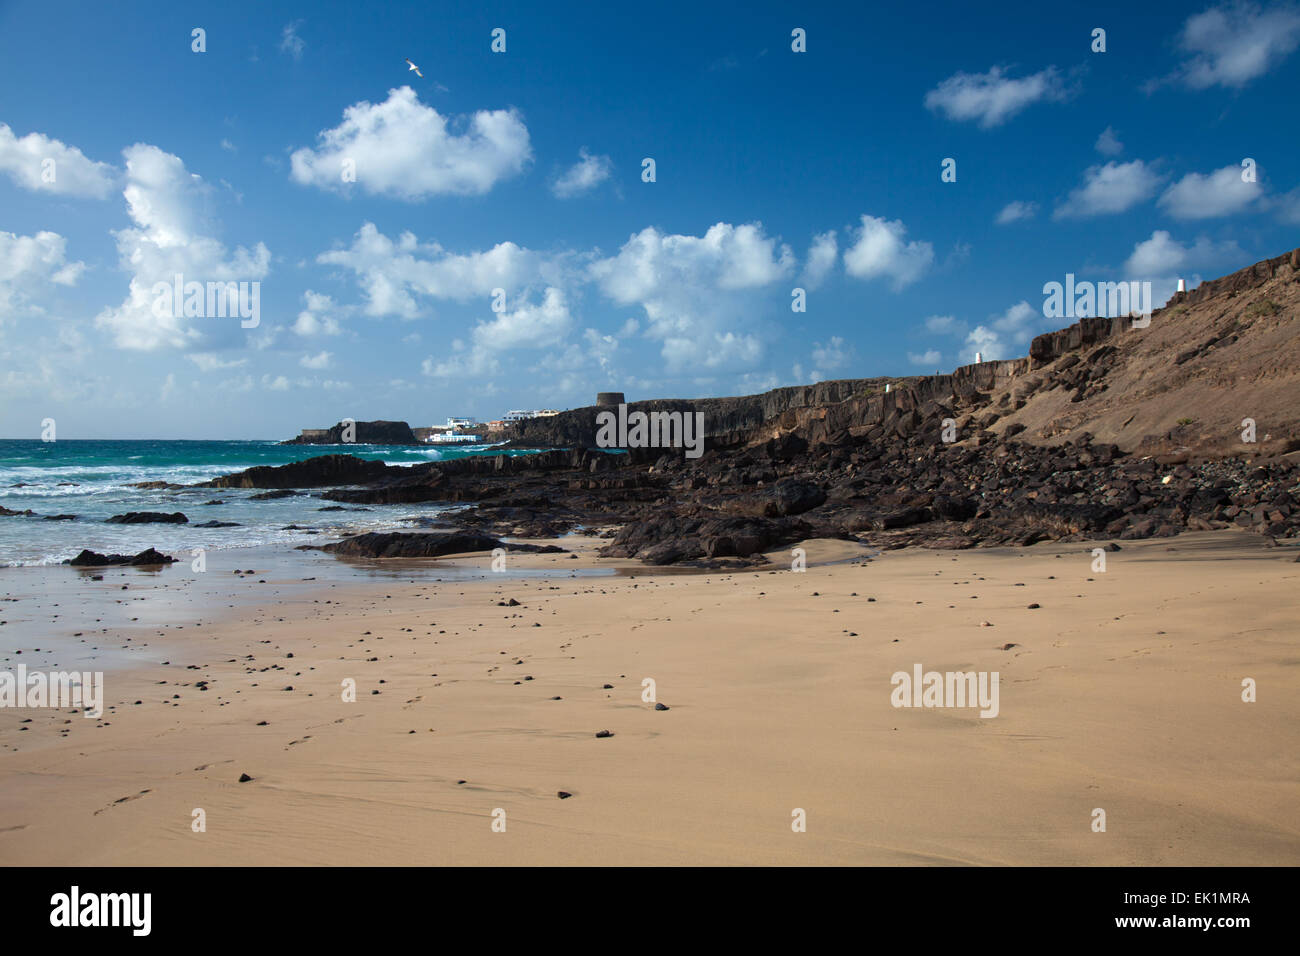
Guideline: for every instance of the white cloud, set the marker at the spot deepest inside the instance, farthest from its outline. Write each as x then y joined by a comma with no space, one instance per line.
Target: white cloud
1108,143
986,342
321,360
929,358
882,251
1234,43
834,354
165,203
315,319
1221,193
1162,255
821,259
207,362
1016,211
392,273
30,263
700,293
1018,322
583,176
25,162
528,326
290,42
945,324
1109,189
404,149
992,98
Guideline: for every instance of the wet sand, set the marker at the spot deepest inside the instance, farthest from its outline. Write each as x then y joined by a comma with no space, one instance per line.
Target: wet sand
1122,692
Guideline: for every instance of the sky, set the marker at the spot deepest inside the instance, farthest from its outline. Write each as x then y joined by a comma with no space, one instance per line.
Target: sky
836,193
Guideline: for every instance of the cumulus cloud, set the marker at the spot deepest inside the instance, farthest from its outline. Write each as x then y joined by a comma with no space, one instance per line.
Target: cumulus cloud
986,343
404,149
699,293
881,250
527,326
1017,211
317,318
1221,193
821,259
1109,189
928,359
836,353
165,202
321,360
1018,322
1162,255
583,176
994,97
945,324
392,273
1108,143
1234,43
28,266
42,164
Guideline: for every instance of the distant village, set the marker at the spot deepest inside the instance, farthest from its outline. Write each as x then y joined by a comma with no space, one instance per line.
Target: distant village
470,431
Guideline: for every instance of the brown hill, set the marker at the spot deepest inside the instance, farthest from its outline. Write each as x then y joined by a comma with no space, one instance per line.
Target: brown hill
1226,351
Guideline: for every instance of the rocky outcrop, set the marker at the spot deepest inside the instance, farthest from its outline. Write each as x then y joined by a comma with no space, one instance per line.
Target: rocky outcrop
365,433
149,517
325,471
428,545
147,558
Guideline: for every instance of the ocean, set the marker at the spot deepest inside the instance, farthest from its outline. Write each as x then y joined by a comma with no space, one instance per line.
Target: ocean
94,480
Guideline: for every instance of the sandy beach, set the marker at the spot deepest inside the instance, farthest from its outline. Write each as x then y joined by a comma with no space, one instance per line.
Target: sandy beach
1120,690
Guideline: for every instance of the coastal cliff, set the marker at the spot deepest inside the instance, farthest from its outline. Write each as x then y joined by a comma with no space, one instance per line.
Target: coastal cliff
366,433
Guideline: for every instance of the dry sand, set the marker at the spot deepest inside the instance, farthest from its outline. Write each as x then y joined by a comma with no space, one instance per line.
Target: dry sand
1123,692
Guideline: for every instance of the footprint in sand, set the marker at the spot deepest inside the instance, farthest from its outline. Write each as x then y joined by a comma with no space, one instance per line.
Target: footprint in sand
134,796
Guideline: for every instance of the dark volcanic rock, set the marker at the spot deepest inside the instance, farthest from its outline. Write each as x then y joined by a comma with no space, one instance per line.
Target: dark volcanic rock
7,513
366,433
400,545
149,517
321,472
92,559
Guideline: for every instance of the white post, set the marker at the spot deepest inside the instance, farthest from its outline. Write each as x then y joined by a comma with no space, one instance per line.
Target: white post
1182,285
978,358
886,388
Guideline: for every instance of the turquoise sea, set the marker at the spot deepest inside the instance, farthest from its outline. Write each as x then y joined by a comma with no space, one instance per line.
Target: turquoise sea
94,479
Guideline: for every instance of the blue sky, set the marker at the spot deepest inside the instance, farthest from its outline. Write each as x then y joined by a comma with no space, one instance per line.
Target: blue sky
522,171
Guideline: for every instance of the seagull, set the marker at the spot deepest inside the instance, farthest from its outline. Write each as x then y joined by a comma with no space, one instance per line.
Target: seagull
415,68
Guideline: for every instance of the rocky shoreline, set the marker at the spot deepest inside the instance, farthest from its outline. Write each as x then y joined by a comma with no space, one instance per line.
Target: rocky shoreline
730,506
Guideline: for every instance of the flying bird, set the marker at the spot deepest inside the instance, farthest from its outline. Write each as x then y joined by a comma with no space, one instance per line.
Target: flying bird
415,68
